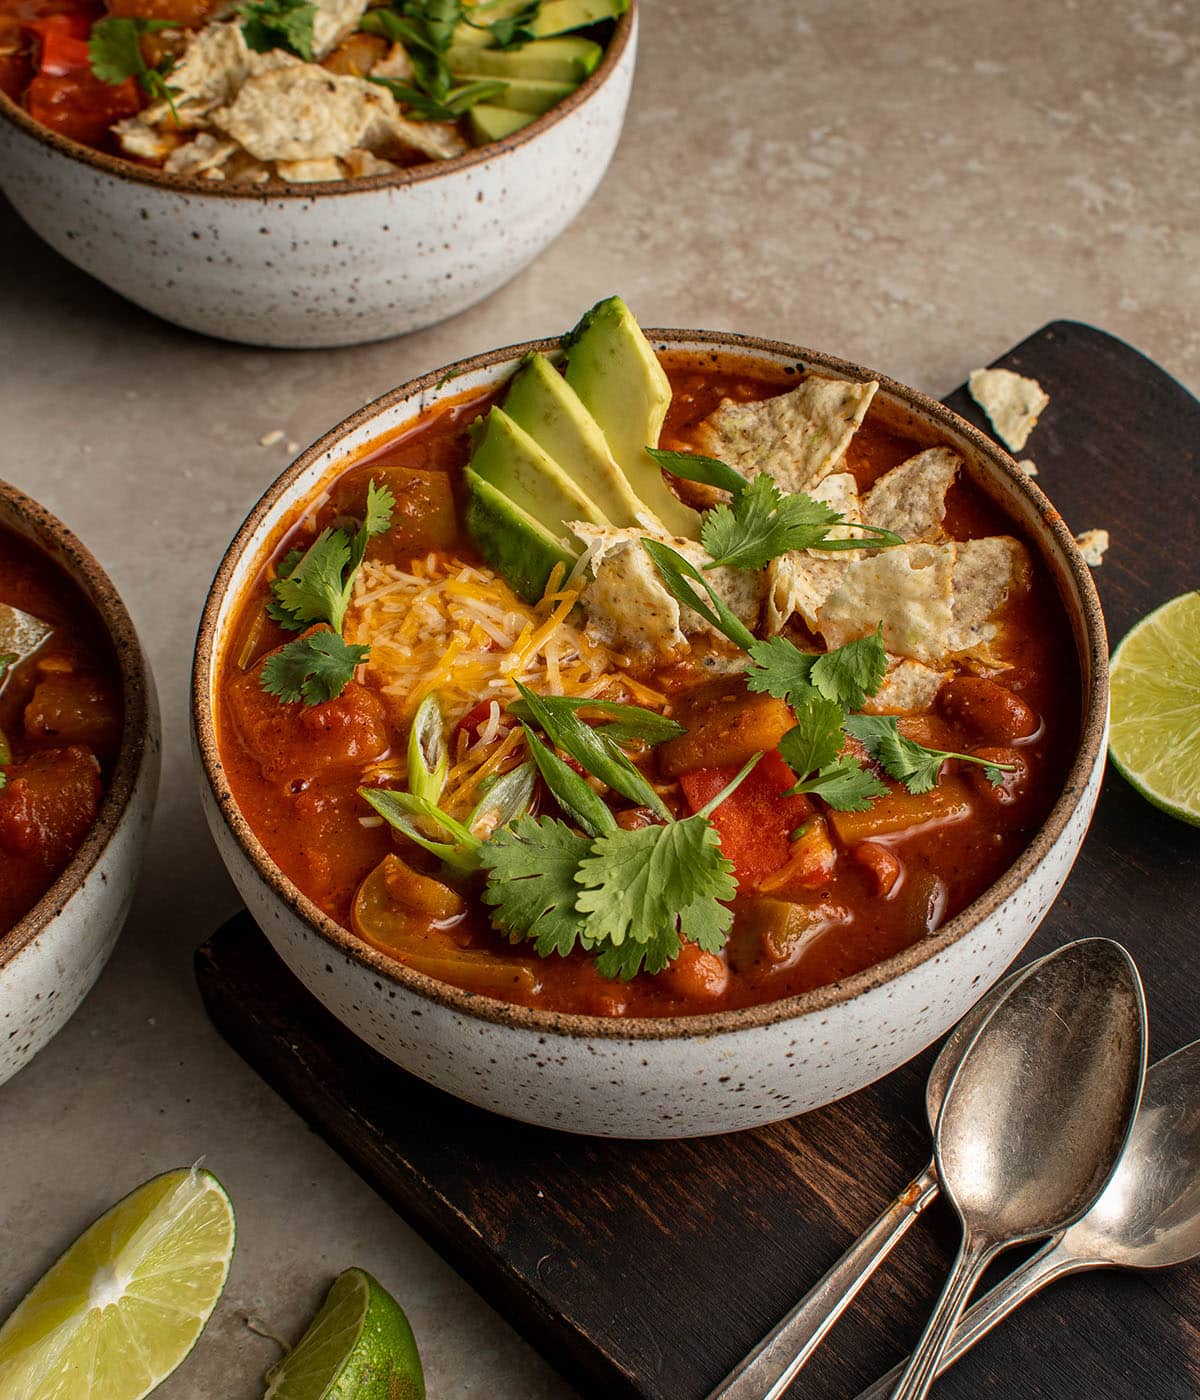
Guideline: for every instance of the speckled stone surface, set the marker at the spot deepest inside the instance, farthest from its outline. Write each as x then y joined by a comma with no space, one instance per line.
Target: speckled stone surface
915,197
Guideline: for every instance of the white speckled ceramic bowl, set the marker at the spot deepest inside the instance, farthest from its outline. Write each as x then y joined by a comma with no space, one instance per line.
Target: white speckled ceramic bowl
670,1077
334,263
51,958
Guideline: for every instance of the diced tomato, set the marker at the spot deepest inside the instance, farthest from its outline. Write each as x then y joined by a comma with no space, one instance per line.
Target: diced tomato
63,53
757,821
80,106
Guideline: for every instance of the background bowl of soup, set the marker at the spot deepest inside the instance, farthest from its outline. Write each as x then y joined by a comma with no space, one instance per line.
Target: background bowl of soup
80,721
647,1075
321,264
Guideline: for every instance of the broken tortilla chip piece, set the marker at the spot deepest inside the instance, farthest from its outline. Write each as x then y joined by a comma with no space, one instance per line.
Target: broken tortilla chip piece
630,609
840,492
199,156
1092,544
985,573
304,113
333,19
909,589
909,688
1012,402
800,582
798,437
1028,466
911,498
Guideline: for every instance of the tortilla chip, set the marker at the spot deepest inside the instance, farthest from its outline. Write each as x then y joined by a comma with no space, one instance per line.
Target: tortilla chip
985,573
334,18
909,589
1092,544
359,163
840,492
1028,466
395,64
911,498
1011,401
308,172
629,607
394,135
202,155
147,142
798,437
800,582
304,113
909,688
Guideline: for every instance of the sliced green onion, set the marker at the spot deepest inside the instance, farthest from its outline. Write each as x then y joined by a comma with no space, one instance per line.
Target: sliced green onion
570,791
428,758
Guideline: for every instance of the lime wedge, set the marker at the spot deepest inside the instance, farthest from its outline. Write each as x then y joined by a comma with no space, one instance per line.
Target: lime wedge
358,1347
124,1305
1155,739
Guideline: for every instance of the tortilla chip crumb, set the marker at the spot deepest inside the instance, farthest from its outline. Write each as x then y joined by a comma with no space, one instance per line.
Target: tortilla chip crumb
271,438
1092,545
1028,466
1012,402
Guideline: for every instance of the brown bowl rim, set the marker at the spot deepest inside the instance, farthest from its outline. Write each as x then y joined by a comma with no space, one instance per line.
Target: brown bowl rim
364,184
82,567
573,1024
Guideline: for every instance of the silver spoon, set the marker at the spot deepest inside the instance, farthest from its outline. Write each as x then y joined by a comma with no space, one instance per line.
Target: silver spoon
767,1371
1035,1118
1147,1218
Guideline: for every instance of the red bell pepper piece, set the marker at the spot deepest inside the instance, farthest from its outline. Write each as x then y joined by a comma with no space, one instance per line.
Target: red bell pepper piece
756,822
62,53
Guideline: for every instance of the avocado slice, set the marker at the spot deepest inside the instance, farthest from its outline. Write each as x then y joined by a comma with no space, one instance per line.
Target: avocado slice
536,95
490,123
554,17
616,374
512,541
507,458
567,60
541,401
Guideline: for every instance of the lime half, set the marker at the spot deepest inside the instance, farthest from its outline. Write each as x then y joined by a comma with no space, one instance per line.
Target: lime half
358,1347
124,1305
1155,739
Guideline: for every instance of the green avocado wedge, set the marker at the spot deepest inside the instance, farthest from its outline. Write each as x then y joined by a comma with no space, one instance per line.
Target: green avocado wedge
507,458
569,59
554,17
613,369
533,95
490,123
521,549
541,401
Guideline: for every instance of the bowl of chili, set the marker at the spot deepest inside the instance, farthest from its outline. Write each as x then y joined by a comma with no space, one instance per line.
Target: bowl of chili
79,762
303,263
854,937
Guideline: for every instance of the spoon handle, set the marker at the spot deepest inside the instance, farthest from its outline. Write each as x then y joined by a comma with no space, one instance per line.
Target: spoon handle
1049,1263
973,1258
770,1368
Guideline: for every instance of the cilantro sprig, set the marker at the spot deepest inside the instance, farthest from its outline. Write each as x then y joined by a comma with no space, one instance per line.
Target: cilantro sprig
115,54
279,24
311,592
910,763
760,521
628,897
426,29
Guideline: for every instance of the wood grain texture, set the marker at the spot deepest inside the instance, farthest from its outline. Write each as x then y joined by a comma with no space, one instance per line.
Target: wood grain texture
645,1270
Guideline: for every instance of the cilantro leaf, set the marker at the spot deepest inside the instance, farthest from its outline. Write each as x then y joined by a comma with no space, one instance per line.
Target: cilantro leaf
531,887
317,586
676,571
115,54
781,669
760,523
817,738
650,885
910,763
845,785
279,24
313,669
312,590
850,673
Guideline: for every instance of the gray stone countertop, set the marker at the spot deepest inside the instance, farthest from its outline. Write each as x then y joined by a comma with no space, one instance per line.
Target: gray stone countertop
914,188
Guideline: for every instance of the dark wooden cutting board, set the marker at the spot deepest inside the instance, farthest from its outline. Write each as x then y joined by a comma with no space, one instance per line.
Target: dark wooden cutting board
647,1269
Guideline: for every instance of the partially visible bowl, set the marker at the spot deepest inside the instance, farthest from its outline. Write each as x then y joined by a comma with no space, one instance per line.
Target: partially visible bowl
667,1077
51,957
324,264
